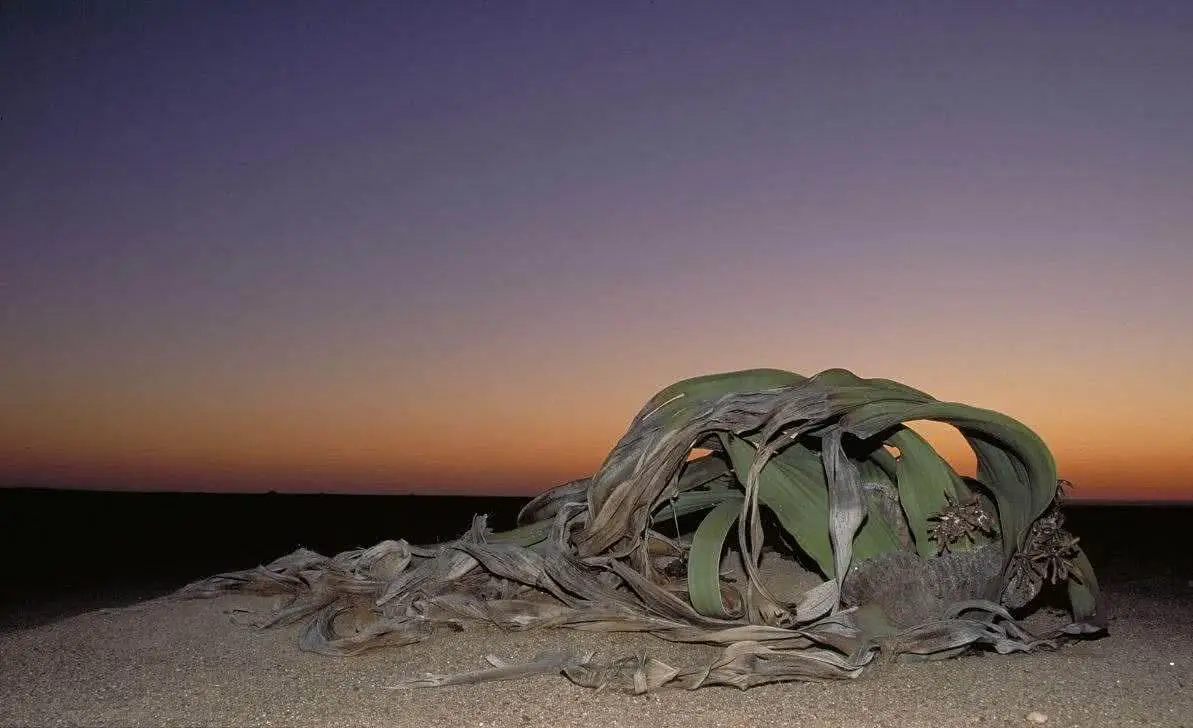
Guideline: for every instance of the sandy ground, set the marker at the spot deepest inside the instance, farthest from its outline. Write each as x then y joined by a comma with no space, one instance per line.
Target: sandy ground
185,664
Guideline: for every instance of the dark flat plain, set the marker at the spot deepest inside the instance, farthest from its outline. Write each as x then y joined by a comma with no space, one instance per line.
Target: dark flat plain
72,551
75,550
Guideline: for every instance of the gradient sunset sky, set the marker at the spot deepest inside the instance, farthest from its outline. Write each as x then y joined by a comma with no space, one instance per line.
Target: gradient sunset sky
454,246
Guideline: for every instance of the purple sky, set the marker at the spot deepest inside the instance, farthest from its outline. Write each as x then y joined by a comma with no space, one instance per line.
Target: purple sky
319,245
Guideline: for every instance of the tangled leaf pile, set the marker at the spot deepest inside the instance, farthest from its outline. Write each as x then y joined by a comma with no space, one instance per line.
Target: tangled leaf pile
898,553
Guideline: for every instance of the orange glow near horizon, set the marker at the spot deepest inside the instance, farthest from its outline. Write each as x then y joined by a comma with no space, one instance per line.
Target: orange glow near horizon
499,447
517,401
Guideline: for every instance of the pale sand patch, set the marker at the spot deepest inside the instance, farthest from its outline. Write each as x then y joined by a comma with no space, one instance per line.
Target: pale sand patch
185,664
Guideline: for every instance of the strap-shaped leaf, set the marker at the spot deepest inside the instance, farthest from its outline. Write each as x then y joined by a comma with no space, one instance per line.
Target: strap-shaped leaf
1014,464
793,486
704,559
625,490
846,505
1084,595
666,411
925,481
798,499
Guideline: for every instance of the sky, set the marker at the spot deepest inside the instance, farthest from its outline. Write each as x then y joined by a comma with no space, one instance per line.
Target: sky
453,247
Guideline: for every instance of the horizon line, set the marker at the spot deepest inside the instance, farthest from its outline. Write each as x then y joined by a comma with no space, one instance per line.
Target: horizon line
1069,500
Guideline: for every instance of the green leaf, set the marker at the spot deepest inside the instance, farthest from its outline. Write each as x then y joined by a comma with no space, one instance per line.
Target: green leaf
673,402
1084,594
798,499
704,558
1014,464
924,480
693,501
793,486
654,446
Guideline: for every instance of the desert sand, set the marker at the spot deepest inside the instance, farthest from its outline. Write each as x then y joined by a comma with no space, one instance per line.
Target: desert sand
186,664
